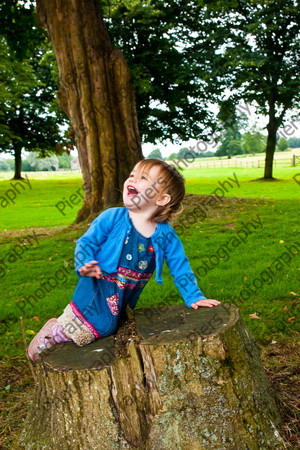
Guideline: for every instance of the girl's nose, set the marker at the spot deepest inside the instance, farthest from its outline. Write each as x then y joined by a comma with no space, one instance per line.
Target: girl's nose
134,178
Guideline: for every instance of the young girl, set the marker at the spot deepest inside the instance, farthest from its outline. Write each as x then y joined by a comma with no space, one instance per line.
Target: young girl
117,256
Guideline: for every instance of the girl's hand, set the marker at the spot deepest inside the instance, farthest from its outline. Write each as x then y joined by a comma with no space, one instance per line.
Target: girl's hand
209,303
90,269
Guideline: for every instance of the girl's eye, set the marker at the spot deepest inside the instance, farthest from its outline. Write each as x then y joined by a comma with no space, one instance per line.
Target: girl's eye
131,175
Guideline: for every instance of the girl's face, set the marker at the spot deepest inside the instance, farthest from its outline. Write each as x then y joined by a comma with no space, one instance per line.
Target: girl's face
142,190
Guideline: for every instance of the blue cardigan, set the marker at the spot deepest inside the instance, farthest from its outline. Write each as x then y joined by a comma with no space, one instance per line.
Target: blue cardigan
104,239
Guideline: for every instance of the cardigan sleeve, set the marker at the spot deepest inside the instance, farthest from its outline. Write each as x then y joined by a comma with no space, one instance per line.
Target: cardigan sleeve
89,244
180,269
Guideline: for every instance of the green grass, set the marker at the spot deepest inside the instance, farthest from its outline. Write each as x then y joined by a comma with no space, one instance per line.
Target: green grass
206,241
38,203
35,205
275,302
205,181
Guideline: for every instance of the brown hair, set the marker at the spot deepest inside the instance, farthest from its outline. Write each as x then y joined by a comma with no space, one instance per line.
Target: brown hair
173,184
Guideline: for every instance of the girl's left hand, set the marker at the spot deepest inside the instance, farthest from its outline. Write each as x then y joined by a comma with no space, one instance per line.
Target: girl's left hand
209,303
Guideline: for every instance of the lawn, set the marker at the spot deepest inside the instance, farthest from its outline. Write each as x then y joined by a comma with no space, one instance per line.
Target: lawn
224,271
59,195
235,249
205,181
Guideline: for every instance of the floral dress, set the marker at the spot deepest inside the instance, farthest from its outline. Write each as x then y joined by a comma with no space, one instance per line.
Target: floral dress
106,298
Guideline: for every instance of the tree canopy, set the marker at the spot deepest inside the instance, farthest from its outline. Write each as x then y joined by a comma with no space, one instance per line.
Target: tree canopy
156,153
159,40
183,56
255,57
30,118
294,142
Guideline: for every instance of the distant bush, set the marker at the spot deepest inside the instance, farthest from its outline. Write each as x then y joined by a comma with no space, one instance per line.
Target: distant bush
4,165
294,142
33,163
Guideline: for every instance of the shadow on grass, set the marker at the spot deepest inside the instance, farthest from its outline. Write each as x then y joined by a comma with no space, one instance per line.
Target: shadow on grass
266,180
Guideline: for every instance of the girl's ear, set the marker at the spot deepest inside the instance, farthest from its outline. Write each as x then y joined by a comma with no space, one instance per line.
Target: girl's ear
166,198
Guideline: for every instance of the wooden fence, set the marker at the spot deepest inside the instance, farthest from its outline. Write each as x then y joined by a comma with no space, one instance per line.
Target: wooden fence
243,162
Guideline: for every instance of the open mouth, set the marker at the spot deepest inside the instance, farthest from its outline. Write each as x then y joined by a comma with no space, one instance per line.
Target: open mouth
131,191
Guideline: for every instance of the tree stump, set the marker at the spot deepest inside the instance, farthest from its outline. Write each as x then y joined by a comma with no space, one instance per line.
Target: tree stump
171,377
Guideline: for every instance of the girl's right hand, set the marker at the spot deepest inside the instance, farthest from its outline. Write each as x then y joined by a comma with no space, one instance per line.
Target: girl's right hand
90,269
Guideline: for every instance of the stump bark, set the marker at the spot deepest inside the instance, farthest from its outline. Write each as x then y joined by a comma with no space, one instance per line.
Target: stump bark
171,377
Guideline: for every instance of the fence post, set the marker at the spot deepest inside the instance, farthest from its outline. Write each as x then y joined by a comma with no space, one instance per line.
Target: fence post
293,161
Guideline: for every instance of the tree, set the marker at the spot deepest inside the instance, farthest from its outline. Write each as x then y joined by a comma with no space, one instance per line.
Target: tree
282,145
45,164
95,92
231,137
231,143
208,154
253,142
4,165
64,161
14,79
256,56
156,153
29,115
168,378
159,40
183,153
294,142
173,156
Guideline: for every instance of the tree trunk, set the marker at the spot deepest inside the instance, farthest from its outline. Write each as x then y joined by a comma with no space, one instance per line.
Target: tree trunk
272,128
270,150
171,377
96,94
18,162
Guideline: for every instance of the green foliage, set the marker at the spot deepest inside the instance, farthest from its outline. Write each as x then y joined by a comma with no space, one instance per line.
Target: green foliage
282,145
20,28
159,40
186,154
15,79
208,154
294,142
156,153
183,153
64,161
36,163
173,156
30,118
10,162
4,165
26,167
231,137
29,115
231,142
253,142
255,57
257,47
